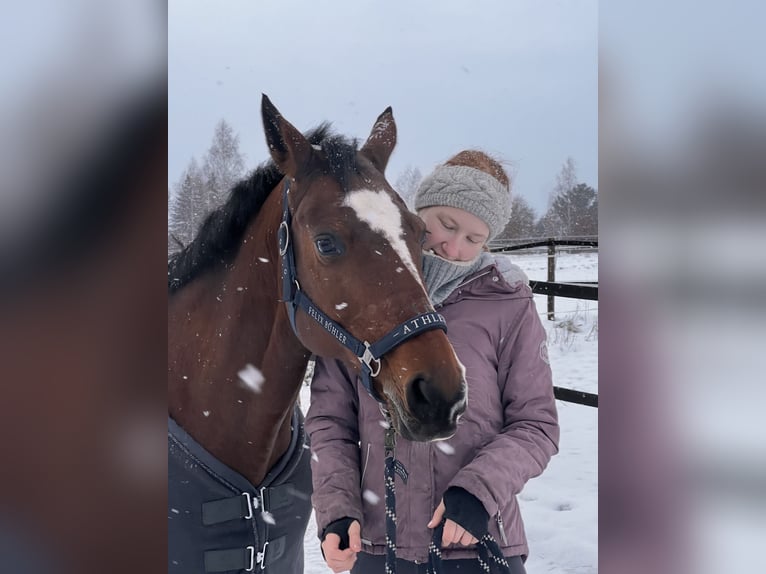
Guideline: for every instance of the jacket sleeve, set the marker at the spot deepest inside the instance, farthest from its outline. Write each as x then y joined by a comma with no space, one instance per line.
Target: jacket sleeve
332,424
530,433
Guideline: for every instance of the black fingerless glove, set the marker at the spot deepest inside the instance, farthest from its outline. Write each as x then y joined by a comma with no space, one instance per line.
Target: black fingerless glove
465,509
339,527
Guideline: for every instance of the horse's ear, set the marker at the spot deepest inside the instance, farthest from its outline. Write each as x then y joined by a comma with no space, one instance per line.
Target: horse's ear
382,140
288,148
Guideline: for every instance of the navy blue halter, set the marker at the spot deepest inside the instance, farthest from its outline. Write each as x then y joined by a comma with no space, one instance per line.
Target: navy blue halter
369,355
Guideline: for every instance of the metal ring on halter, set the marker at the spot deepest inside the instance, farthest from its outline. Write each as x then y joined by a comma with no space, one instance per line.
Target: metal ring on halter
283,229
367,358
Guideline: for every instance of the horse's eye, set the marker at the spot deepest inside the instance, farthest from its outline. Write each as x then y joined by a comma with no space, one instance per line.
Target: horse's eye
327,245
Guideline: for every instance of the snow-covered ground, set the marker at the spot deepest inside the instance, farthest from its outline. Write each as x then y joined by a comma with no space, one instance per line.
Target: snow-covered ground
559,508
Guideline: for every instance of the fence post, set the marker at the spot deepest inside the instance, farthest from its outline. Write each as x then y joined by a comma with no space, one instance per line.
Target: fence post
551,275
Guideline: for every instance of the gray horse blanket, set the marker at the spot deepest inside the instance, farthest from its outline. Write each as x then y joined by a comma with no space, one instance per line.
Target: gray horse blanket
219,522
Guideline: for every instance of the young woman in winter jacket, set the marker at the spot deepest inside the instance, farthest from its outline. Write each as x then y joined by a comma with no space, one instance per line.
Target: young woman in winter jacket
509,430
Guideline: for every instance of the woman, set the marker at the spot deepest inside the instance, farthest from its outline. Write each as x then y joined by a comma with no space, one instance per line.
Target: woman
508,432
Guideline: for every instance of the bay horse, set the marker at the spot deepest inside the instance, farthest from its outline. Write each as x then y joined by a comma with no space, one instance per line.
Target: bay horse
314,253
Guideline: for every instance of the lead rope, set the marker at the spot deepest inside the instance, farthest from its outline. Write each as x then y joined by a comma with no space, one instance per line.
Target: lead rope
489,552
390,473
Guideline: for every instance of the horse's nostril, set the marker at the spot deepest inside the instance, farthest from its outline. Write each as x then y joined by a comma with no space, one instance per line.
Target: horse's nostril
419,389
433,406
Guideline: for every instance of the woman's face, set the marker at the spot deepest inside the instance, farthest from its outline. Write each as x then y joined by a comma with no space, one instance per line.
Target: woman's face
453,234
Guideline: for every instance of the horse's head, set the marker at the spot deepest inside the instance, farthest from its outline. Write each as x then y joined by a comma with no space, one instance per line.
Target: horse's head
357,255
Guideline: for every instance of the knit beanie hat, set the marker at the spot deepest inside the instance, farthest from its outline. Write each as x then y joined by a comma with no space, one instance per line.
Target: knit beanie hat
469,189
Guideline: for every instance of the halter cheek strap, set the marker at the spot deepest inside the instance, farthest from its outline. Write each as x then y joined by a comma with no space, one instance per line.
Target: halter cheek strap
369,355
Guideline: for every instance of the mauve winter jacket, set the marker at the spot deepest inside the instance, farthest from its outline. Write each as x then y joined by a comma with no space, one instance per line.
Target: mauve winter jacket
506,436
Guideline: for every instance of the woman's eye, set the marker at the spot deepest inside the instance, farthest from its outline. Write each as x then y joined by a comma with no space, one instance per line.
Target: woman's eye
326,245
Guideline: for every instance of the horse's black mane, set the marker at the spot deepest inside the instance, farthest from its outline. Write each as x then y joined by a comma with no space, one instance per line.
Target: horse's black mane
220,234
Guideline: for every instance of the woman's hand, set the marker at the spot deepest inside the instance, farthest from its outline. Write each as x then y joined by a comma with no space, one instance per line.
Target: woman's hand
453,532
342,560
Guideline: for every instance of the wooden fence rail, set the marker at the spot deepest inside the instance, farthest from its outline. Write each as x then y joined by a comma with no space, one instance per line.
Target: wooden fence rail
579,290
576,290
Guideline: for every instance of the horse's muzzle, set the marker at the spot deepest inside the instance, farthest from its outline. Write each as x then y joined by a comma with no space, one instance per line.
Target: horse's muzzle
432,413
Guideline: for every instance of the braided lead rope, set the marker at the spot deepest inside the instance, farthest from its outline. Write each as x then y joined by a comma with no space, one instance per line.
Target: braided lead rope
390,442
435,550
488,550
489,553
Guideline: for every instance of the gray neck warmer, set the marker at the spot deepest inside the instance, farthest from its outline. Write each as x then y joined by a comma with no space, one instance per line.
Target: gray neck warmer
443,276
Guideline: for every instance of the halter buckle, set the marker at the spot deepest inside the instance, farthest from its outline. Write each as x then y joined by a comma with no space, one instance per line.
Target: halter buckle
284,237
368,358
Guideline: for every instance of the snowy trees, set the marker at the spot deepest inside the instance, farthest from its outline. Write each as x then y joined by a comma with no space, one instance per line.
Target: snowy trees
187,206
576,211
223,165
573,210
407,184
200,190
522,223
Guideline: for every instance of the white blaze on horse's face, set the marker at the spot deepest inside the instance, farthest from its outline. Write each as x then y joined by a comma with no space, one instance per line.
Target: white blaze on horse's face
378,210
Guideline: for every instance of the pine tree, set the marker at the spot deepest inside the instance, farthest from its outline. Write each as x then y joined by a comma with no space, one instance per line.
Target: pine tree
559,219
189,206
550,225
407,184
566,179
171,223
223,165
577,210
522,222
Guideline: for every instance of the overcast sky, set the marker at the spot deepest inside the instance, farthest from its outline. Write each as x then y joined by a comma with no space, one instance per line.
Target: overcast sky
515,78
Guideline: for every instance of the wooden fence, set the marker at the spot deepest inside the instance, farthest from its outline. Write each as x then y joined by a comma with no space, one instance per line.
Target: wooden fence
580,290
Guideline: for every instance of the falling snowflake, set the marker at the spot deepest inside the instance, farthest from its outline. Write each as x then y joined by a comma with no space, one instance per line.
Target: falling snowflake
206,413
371,497
341,306
314,456
384,424
445,447
252,378
263,260
174,511
399,269
268,518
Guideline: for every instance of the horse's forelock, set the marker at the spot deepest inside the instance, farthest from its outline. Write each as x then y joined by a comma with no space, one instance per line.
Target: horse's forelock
340,154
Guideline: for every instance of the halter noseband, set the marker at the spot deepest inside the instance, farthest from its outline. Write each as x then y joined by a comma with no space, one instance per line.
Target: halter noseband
368,354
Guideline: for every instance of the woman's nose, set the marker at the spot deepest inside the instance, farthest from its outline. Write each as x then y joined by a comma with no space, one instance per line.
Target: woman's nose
451,249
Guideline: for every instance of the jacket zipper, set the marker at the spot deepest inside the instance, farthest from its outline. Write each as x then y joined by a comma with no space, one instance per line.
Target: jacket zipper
501,527
366,460
440,305
472,279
